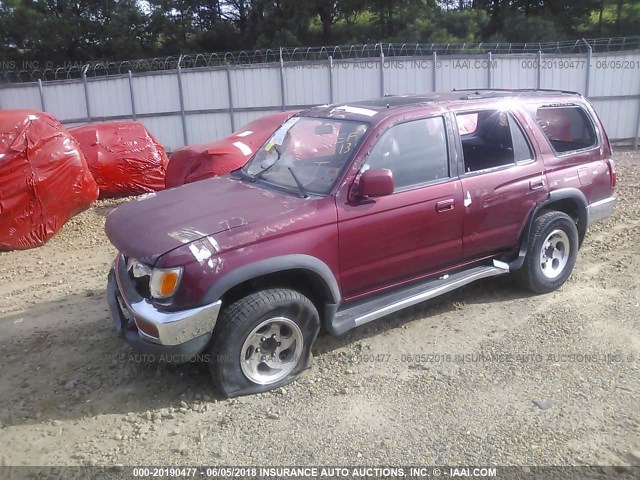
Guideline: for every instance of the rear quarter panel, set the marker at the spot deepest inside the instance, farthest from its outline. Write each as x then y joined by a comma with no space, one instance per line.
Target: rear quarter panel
586,170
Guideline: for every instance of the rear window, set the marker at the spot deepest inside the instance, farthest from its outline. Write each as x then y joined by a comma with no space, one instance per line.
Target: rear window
568,128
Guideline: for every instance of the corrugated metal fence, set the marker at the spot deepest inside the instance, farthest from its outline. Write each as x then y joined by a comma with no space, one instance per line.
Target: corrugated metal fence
202,104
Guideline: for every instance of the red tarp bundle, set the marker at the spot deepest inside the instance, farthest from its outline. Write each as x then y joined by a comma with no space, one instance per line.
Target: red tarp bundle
123,157
44,179
197,162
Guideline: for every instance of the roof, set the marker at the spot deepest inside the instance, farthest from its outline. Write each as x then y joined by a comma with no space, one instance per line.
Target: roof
380,108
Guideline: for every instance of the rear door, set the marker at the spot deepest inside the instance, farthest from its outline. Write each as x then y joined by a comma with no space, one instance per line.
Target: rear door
387,240
502,180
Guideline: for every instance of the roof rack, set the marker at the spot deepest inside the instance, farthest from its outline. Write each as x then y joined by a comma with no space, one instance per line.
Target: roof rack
506,91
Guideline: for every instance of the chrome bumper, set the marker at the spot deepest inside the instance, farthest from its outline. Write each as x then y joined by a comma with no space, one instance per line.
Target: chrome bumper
174,328
600,210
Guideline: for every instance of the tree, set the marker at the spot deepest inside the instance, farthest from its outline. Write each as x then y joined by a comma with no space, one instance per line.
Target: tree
567,15
331,12
55,31
392,15
618,15
77,31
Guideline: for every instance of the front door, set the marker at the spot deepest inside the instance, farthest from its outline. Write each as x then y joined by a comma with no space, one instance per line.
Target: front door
387,240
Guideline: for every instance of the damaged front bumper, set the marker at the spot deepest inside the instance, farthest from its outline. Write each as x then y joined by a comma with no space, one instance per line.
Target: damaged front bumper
177,336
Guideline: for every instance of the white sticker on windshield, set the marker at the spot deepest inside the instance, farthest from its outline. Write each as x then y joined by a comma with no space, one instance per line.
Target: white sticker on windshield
243,147
244,134
278,137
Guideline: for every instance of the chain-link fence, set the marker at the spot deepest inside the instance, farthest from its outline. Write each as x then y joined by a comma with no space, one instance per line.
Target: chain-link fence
293,54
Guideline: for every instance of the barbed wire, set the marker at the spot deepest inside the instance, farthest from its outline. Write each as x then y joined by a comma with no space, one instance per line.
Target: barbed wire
73,70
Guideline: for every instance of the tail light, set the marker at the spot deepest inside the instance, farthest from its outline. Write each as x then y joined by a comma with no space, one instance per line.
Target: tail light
612,172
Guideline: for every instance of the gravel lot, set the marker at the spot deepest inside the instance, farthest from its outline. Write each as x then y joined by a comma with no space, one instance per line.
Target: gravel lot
505,377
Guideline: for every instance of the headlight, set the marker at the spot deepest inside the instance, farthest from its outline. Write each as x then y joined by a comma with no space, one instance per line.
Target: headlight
164,281
138,269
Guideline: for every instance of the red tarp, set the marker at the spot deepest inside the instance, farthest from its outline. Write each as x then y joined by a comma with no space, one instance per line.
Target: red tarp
123,157
44,179
197,162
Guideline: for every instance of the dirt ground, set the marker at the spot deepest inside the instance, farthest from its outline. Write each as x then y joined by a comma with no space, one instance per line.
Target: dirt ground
487,375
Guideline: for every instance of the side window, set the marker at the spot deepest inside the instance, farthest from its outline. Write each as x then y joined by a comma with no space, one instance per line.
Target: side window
568,128
521,149
467,123
416,152
491,138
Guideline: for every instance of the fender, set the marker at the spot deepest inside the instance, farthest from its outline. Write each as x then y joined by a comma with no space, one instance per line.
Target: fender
555,195
274,265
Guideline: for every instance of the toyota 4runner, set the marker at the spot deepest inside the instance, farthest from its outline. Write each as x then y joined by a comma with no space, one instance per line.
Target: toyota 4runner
351,212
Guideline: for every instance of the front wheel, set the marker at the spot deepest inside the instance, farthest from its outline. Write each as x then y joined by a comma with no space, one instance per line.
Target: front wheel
552,252
262,341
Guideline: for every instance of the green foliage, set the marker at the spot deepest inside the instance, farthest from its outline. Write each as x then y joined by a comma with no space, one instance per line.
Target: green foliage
64,30
444,27
614,18
60,31
520,28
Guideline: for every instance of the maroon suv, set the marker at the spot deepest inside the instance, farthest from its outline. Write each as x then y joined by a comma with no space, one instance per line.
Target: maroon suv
351,212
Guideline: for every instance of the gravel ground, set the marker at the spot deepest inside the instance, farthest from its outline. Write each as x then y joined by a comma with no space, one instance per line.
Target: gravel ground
497,376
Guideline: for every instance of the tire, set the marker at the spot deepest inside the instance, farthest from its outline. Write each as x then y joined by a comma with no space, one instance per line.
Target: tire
262,341
551,254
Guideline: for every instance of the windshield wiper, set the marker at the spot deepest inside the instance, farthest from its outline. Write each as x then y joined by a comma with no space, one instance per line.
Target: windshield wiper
265,169
299,183
258,175
242,175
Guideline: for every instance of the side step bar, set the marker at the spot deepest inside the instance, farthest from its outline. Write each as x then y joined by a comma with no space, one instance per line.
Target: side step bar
364,312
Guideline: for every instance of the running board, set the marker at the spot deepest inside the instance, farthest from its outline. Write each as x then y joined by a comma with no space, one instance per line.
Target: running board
380,306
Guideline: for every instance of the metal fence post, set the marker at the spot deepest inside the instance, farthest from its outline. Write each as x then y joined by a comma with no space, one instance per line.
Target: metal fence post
282,92
231,115
539,72
133,102
381,72
181,96
435,62
86,91
588,73
489,79
330,79
42,107
635,142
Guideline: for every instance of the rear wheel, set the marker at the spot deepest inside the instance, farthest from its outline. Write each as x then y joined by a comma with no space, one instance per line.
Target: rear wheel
262,341
552,252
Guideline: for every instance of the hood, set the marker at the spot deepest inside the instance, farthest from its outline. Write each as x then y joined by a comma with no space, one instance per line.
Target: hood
154,224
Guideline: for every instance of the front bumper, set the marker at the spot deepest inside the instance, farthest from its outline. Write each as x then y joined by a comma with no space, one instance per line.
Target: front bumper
181,335
601,209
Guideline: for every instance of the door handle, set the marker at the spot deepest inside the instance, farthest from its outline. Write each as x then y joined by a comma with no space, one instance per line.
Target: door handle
445,205
536,184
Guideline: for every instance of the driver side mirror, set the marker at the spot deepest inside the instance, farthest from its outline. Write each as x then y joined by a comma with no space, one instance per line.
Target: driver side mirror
376,183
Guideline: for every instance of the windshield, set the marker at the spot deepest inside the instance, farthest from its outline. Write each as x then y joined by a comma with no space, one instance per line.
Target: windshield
307,154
